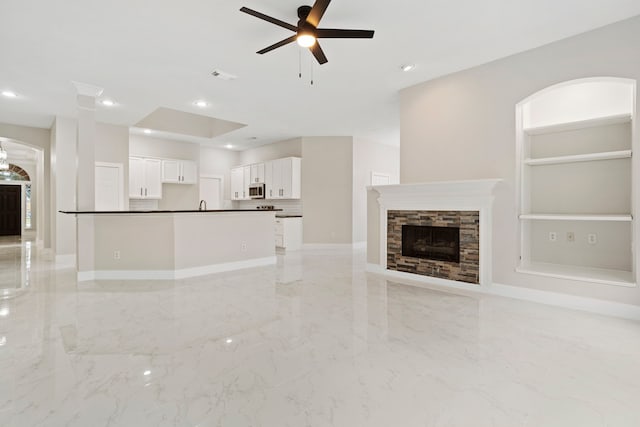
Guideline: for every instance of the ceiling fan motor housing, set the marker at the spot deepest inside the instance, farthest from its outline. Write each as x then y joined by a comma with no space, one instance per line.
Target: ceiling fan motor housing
303,12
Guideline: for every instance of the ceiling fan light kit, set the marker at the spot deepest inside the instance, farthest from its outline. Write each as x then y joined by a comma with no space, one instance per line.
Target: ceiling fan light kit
307,31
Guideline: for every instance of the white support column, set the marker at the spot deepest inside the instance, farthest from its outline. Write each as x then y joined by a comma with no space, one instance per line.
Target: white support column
85,175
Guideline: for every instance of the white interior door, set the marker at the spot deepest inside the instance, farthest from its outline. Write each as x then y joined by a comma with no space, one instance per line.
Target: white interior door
109,187
211,191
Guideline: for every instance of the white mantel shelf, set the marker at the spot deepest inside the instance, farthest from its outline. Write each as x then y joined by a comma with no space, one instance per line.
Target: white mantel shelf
439,189
467,195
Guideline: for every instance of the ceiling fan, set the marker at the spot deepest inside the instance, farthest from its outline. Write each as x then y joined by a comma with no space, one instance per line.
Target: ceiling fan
307,31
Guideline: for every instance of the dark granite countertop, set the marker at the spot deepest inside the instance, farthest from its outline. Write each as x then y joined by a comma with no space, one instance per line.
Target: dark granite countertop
167,211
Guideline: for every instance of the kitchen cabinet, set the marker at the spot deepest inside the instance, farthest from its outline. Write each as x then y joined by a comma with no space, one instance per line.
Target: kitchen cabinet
282,178
145,178
179,172
237,184
257,173
289,233
246,176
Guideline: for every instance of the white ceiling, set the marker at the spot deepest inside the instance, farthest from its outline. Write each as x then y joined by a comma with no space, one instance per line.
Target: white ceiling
149,54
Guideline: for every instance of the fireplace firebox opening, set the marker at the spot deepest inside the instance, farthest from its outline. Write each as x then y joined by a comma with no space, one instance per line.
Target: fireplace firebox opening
435,243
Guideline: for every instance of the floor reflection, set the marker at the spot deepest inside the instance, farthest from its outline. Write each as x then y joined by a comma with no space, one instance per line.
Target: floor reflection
16,254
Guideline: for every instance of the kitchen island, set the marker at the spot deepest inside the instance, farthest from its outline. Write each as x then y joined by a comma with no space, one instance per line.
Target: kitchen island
129,245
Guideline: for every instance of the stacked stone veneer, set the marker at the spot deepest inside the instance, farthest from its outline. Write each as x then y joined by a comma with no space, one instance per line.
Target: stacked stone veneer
467,270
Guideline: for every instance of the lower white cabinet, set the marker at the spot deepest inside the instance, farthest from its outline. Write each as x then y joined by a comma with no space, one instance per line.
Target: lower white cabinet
179,172
145,178
289,233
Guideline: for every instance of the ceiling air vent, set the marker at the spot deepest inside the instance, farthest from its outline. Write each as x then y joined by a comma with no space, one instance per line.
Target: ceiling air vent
223,75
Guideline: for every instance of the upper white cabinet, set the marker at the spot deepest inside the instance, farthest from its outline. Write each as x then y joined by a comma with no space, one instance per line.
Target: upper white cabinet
179,172
257,173
145,178
282,178
576,215
239,190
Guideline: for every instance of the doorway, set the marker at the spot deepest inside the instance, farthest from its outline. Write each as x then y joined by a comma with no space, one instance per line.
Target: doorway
109,187
211,191
10,210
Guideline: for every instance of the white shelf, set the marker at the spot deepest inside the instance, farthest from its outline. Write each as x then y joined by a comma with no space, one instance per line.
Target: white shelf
576,217
582,124
583,274
608,155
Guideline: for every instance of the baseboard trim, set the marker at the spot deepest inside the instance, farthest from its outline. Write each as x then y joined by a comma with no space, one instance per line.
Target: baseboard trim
572,302
333,245
221,268
184,273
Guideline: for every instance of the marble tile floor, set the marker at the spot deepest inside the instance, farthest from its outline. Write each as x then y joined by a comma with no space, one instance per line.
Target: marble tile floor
314,342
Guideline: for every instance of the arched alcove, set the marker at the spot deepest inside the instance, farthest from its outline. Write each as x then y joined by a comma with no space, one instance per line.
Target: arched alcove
575,170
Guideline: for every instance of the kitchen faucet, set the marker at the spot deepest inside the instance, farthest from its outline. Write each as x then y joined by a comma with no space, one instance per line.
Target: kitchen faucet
205,205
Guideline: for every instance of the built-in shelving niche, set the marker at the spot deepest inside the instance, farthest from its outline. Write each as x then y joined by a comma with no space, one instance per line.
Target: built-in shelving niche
575,162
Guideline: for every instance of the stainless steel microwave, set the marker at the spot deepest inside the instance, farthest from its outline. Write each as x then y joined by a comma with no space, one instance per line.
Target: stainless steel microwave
256,191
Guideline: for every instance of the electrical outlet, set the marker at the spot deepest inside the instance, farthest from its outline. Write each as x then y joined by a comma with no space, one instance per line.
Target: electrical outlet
244,247
592,238
553,236
571,236
116,254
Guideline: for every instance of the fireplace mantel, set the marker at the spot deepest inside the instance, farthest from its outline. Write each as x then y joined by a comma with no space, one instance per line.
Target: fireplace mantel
467,195
460,193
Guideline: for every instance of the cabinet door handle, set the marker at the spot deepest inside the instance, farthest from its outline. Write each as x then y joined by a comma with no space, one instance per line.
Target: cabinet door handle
141,191
145,191
270,193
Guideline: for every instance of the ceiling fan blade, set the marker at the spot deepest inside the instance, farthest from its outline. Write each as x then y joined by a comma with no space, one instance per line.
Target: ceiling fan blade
269,19
318,9
318,53
335,33
277,45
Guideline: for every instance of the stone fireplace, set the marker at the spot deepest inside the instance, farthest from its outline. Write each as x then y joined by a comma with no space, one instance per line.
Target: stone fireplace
443,244
438,232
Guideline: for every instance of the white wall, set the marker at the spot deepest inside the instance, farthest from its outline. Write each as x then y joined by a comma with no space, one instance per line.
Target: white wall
368,157
214,161
277,150
327,186
174,196
462,126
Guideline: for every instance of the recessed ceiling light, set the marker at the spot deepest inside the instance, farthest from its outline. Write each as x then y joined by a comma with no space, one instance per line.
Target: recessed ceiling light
108,103
4,311
229,341
9,94
408,67
201,103
147,131
229,146
146,373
